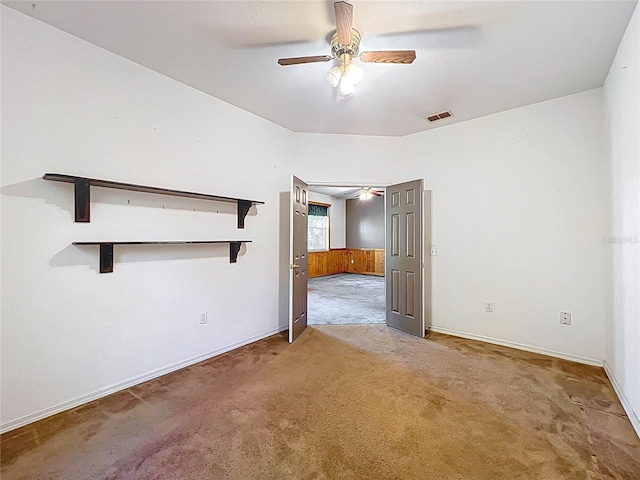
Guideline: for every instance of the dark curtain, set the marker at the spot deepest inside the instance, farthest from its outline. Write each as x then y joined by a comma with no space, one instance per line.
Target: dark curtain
318,210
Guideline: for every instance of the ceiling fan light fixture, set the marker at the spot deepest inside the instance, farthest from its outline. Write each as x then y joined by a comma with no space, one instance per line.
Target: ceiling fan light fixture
333,76
345,45
346,87
353,73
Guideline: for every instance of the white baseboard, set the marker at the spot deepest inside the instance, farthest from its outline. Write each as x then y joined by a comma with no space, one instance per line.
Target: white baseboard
519,346
633,418
103,392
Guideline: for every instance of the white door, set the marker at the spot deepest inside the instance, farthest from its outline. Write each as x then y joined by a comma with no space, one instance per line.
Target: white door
403,257
298,257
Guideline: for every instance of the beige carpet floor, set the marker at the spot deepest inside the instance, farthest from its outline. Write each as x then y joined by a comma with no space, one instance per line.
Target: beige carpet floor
344,402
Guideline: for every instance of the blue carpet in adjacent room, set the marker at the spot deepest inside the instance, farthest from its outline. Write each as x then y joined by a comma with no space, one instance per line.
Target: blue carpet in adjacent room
346,298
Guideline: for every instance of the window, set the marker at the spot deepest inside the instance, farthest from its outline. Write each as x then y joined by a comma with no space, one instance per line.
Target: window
318,234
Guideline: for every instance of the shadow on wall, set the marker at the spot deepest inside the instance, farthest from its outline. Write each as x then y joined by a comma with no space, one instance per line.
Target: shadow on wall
52,193
62,195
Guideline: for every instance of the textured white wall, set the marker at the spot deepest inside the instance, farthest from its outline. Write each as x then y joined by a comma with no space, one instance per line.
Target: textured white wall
70,107
337,218
622,109
519,210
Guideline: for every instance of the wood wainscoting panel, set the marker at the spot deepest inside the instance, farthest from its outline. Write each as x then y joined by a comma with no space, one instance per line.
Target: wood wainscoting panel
360,261
379,262
369,261
339,260
327,263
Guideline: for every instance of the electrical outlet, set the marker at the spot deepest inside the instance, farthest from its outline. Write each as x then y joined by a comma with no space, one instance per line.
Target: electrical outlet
488,307
434,251
203,318
565,318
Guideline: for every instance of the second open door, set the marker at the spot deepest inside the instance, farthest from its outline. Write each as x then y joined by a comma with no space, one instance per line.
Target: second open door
403,257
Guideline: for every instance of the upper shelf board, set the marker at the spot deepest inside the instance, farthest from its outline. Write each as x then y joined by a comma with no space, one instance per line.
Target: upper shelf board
83,186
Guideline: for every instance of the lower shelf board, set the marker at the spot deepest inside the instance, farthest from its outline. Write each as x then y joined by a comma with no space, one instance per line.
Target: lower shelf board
106,249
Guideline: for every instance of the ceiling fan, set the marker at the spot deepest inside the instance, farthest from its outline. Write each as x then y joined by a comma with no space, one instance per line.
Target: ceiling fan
368,192
345,44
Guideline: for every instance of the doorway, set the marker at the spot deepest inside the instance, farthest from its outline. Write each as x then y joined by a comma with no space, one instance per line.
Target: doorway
404,265
346,246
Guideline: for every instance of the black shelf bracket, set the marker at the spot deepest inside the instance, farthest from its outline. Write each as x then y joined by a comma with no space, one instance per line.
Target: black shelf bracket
243,209
234,248
106,258
106,249
82,190
83,186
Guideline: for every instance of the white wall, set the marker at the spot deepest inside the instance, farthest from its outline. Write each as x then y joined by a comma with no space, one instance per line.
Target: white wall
519,210
337,218
67,331
622,109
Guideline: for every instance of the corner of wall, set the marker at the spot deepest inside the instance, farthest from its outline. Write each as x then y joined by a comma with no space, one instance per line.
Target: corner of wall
622,124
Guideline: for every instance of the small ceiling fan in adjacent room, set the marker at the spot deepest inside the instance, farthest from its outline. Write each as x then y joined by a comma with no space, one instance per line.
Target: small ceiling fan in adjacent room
368,192
345,45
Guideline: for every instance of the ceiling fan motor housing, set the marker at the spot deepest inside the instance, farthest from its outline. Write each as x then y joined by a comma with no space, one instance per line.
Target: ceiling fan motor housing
352,49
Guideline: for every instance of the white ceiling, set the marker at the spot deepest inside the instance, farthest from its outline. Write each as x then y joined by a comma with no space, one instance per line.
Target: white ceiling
341,192
474,58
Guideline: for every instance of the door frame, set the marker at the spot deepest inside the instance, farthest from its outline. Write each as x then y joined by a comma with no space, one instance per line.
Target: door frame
426,291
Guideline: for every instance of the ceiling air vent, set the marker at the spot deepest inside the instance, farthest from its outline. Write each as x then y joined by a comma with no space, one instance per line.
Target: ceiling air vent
439,116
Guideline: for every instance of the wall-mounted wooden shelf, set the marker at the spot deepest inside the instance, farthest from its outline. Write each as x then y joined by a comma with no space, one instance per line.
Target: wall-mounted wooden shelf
83,186
106,249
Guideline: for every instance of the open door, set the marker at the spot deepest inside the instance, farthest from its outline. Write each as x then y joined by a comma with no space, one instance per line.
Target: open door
298,258
403,257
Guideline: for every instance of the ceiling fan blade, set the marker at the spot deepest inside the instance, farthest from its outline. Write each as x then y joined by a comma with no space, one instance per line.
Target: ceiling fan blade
299,60
389,56
344,21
